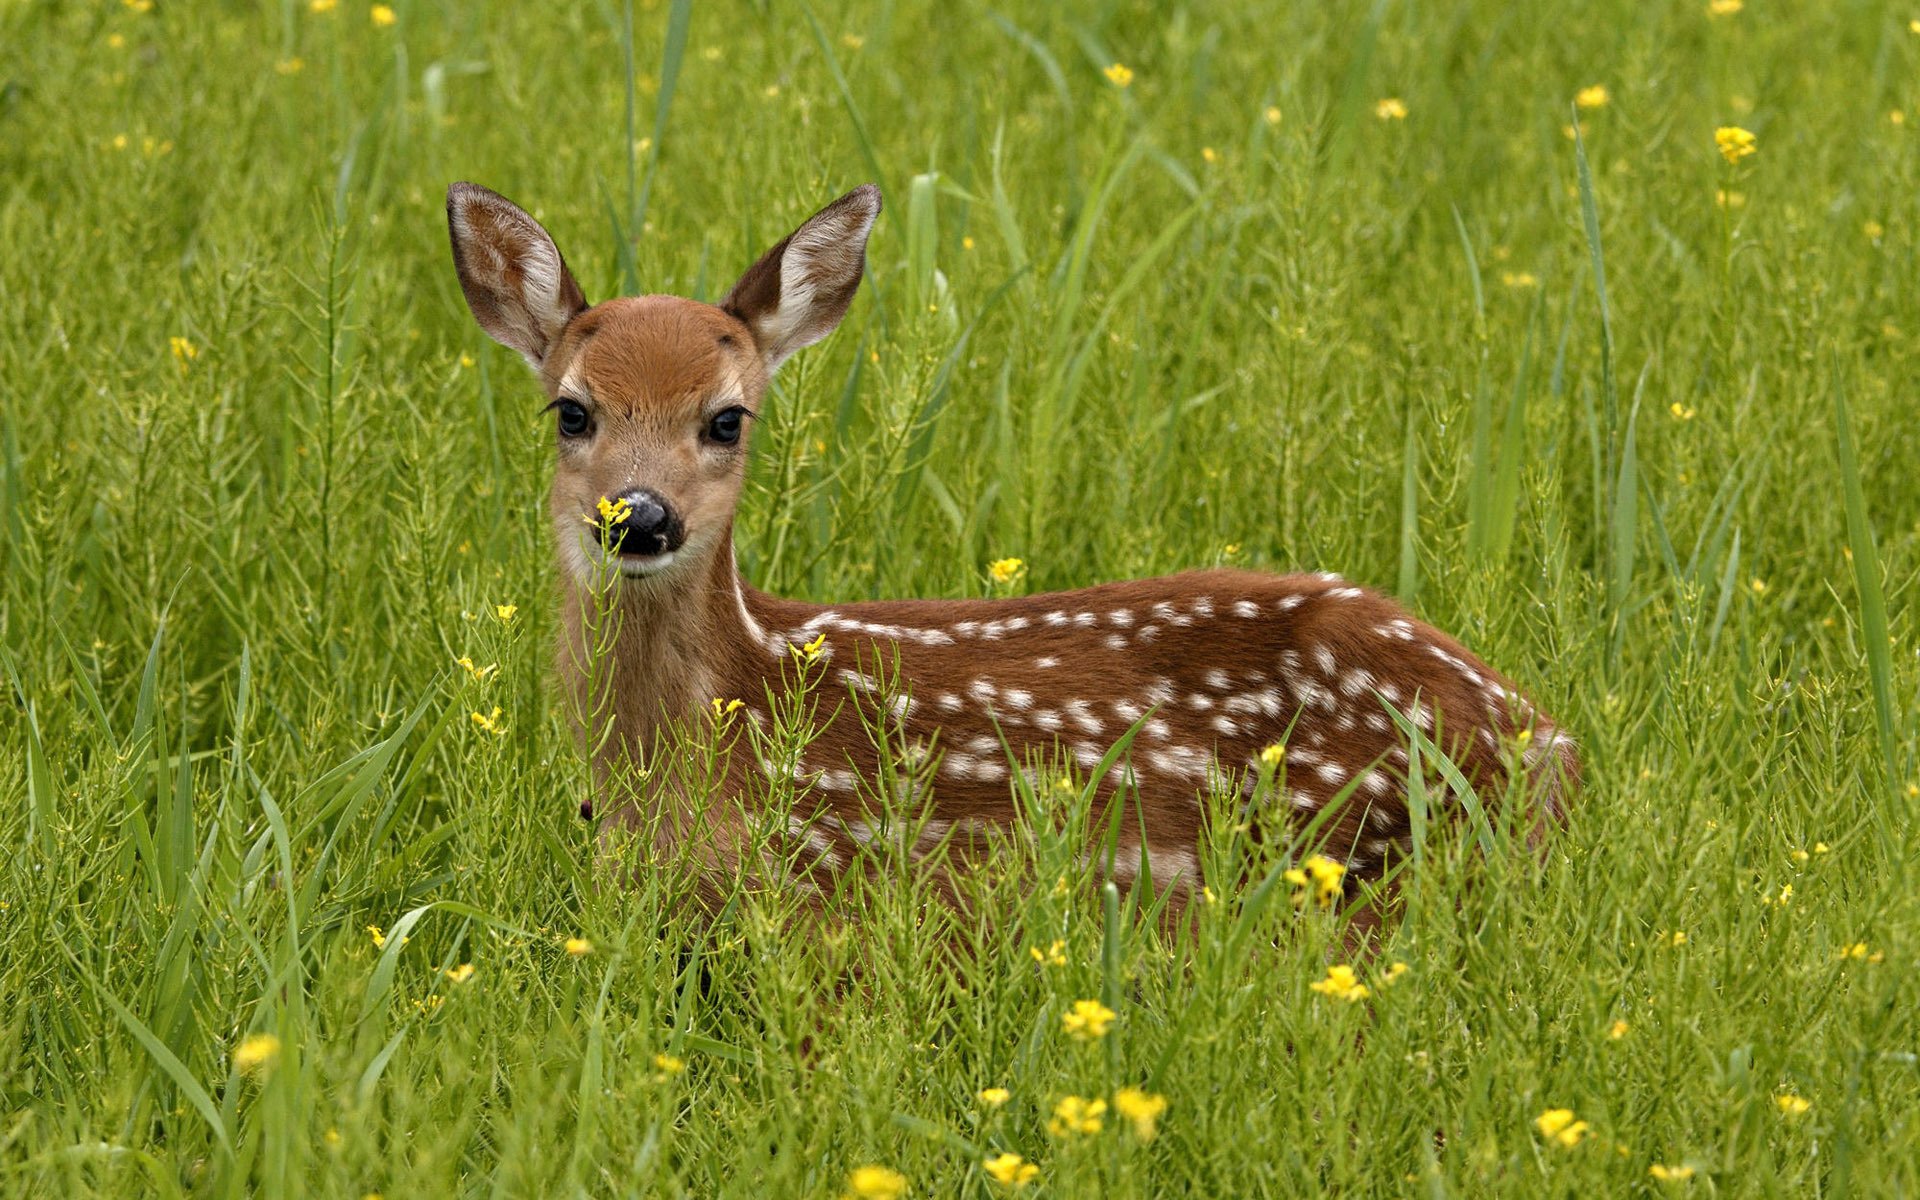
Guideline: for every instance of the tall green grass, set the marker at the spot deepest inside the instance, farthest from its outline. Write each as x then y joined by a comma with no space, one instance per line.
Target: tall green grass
1633,421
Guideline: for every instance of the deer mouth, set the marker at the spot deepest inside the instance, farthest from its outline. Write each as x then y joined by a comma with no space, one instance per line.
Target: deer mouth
638,566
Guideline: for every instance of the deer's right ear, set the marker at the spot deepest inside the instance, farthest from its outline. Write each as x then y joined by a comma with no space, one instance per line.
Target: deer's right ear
517,285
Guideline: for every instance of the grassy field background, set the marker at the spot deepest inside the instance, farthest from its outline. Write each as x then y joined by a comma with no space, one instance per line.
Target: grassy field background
262,484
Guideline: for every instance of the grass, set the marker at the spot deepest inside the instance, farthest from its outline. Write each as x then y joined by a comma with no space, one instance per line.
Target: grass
1223,314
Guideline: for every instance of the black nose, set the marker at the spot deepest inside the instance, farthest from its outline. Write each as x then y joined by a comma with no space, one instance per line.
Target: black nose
651,527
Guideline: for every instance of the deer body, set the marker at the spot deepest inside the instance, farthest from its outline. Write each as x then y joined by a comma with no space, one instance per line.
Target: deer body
1211,668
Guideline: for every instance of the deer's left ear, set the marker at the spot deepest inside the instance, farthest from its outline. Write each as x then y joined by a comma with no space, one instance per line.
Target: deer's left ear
798,291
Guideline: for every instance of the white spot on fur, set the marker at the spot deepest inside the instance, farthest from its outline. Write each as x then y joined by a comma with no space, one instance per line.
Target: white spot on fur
1246,608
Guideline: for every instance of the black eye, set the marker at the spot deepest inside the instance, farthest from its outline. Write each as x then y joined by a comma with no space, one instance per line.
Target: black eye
724,429
573,419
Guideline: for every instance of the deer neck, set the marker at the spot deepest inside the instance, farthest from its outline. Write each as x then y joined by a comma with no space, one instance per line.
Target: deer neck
667,648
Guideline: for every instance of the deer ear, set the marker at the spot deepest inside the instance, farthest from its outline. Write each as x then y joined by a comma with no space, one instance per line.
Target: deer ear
798,291
515,281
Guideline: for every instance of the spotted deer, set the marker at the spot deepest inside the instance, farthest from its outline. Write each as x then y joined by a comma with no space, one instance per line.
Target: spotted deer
654,399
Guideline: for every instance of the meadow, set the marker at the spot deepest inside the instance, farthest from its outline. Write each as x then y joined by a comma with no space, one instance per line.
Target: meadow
1468,302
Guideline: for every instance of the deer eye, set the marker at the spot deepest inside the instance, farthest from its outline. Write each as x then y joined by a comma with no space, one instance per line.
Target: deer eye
724,429
573,419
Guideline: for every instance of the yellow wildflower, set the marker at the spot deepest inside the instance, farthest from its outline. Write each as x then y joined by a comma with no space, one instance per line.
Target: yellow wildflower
994,1097
1392,974
1118,75
479,674
1272,115
1874,230
1142,1108
1010,1170
460,974
332,1138
256,1053
852,41
1735,143
490,721
669,1064
1209,155
1592,97
1087,1020
1273,755
1055,955
116,40
1820,847
1782,898
138,6
1727,199
1913,26
612,512
505,612
578,947
876,1183
966,243
1724,8
1341,984
382,15
1759,587
183,351
1791,1105
1861,950
290,66
725,708
1392,108
1558,1126
811,651
321,6
1677,938
1074,1115
1326,876
1897,116
1617,1030
1005,570
1519,279
1678,1173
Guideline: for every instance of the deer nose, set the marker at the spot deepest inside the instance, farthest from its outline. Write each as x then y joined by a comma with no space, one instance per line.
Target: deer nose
651,527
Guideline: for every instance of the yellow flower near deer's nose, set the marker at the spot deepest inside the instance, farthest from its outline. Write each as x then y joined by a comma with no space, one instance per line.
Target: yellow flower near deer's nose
1592,97
1010,1170
874,1182
578,947
1087,1020
1735,143
256,1053
1392,108
1558,1126
1142,1109
1119,75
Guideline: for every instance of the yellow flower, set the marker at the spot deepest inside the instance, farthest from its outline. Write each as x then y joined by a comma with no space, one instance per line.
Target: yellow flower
183,351
811,651
1592,97
725,708
490,721
460,974
1087,1020
1617,1030
1142,1108
256,1053
1273,755
1393,108
1558,1126
1820,847
382,15
1862,951
505,612
1209,154
1005,570
290,66
1324,873
579,947
1791,1105
612,512
1118,75
1681,412
1735,143
1341,984
1897,116
966,243
321,6
1913,26
479,674
669,1064
1392,974
876,1183
1874,230
1519,279
1724,8
138,6
332,1138
1010,1170
1678,1173
1782,899
1074,1115
1677,938
116,40
1727,199
852,41
1055,955
994,1097
1272,115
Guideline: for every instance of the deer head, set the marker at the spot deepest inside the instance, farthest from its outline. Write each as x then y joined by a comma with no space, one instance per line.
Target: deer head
653,396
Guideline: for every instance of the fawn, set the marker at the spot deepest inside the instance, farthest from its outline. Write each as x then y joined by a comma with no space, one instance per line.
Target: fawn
654,398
